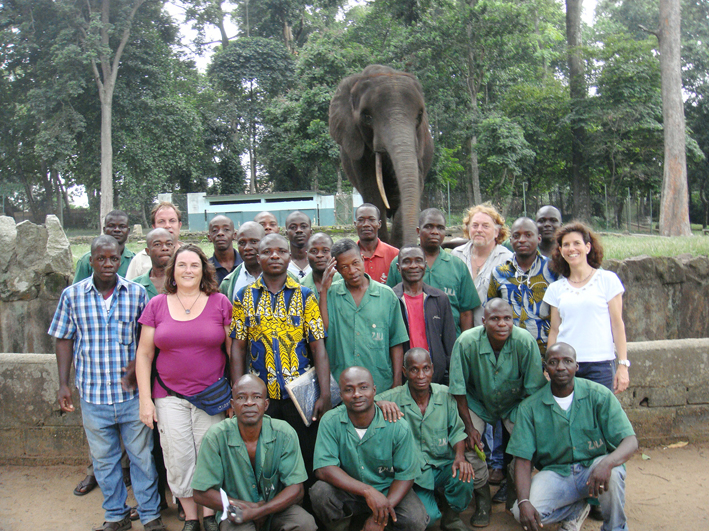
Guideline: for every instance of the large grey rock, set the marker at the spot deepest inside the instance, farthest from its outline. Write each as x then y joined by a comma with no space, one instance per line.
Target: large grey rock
35,267
665,298
8,236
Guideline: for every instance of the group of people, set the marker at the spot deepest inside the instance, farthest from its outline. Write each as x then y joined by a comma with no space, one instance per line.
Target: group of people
507,346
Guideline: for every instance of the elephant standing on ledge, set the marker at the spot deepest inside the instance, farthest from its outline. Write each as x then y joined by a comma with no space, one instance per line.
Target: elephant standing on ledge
379,120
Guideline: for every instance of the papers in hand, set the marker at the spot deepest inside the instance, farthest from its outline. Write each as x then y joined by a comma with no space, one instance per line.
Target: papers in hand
305,391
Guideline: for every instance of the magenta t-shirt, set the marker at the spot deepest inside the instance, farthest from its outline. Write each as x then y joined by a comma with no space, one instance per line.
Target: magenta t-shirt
191,356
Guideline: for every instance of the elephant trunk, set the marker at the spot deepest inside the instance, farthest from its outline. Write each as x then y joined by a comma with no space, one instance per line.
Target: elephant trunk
404,158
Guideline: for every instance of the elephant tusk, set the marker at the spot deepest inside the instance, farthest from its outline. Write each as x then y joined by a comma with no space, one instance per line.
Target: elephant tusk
380,181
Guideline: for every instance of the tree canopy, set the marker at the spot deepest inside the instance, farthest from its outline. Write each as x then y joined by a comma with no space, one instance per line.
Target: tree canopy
495,74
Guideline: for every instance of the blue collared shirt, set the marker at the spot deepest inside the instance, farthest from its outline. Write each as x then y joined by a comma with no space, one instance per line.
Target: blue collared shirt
104,340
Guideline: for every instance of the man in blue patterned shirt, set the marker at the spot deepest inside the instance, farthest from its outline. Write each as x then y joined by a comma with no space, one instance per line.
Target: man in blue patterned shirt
95,326
523,280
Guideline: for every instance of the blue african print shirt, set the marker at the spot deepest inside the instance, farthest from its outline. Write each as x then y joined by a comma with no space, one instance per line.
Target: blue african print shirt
278,327
104,340
524,291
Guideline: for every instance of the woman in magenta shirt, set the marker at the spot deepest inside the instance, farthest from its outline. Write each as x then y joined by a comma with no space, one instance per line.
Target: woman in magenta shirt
189,324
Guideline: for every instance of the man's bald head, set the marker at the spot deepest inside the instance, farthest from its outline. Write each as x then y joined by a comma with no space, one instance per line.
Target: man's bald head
357,390
252,227
268,221
270,239
561,349
496,305
247,379
156,233
416,355
221,219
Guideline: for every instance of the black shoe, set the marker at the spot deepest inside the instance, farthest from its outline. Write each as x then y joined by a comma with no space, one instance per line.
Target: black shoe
501,494
209,523
191,525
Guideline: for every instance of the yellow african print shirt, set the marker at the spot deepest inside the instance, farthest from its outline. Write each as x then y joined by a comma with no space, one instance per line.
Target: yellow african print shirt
277,327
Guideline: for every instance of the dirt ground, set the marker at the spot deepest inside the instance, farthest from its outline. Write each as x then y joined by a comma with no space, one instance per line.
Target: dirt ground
670,491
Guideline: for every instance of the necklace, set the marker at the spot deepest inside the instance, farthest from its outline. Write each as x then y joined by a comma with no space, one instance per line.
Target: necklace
187,310
582,280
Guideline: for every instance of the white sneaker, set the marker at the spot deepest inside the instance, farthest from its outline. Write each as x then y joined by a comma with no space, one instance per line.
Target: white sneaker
577,523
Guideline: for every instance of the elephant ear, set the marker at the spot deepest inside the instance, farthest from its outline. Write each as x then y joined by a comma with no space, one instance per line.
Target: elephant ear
343,128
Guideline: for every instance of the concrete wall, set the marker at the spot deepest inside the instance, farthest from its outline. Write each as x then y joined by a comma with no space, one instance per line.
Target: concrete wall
668,401
665,298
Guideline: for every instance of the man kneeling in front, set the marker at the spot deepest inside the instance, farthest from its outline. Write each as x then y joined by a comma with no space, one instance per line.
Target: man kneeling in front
577,434
366,465
255,462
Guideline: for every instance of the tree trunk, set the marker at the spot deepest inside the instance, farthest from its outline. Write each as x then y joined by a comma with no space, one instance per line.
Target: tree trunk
106,152
106,82
674,205
580,182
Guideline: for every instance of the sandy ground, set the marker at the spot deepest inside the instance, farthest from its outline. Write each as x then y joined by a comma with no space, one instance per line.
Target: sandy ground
670,491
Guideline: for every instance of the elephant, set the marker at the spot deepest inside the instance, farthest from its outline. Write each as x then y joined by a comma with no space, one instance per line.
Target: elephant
378,118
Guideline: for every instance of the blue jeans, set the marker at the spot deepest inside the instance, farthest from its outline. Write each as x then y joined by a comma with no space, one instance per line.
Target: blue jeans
559,498
601,372
494,448
105,426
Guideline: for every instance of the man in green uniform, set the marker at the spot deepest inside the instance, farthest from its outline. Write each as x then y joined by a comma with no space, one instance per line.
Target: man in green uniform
366,465
256,462
362,318
440,436
591,439
115,224
493,368
160,246
443,271
319,257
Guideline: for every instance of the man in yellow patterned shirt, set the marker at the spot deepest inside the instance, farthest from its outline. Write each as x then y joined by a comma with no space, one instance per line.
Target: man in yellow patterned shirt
274,321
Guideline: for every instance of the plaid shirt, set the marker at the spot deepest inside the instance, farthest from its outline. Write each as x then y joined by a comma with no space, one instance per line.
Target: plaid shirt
104,341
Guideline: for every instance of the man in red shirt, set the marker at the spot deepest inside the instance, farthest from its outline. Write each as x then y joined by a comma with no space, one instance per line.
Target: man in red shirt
377,254
426,311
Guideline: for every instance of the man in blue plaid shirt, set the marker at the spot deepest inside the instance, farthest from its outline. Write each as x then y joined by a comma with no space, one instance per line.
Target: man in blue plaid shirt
95,326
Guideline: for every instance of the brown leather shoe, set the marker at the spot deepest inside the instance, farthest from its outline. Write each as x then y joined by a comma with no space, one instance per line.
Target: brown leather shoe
122,525
134,513
85,486
496,476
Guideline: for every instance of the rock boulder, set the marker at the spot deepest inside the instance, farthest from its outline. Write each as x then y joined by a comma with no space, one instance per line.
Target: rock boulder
35,266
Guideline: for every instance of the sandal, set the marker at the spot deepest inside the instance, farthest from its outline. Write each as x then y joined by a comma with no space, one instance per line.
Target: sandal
85,486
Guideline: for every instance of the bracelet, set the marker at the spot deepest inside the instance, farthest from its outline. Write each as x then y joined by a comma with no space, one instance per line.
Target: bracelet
520,502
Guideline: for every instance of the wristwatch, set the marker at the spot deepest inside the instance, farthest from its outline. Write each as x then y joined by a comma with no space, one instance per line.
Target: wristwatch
624,362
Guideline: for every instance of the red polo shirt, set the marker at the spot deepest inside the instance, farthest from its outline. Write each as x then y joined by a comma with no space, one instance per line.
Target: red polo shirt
377,266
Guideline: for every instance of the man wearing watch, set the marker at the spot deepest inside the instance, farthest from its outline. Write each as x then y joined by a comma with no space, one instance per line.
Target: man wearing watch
584,459
265,454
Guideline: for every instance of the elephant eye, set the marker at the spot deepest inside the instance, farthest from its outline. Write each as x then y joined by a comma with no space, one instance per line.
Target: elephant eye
366,119
419,118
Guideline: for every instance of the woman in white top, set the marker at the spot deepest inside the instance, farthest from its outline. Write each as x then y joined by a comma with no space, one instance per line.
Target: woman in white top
587,308
486,230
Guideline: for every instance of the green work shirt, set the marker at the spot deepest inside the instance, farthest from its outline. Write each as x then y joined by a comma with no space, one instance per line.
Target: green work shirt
223,461
363,335
387,452
450,274
144,280
84,269
495,387
544,434
435,432
308,282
